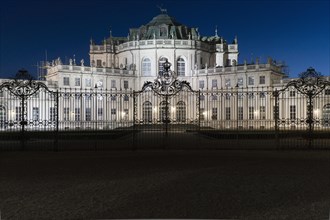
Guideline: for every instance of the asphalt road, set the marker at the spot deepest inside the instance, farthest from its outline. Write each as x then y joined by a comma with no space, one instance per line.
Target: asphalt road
165,184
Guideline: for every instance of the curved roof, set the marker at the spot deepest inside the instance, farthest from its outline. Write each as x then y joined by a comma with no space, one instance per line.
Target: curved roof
163,19
164,26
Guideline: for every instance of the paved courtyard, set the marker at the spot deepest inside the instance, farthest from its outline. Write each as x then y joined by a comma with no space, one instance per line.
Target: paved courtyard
165,184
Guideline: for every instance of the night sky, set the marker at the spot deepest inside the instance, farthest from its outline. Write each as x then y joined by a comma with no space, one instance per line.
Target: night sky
296,32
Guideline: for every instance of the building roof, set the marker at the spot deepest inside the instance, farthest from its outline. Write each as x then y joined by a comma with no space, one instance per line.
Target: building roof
163,19
164,26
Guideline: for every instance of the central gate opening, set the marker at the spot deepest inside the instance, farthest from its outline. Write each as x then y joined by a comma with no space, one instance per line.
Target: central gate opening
166,111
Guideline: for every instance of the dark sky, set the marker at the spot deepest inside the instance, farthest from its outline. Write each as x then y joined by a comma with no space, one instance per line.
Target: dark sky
296,32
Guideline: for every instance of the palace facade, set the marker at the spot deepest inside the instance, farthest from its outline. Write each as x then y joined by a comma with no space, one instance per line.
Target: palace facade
108,92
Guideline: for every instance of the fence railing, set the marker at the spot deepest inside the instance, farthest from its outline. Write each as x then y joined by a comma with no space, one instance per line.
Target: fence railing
300,110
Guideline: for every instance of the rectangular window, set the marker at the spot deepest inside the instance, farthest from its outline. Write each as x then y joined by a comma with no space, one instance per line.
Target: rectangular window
99,113
251,80
126,98
327,92
263,112
77,114
125,114
202,114
66,81
52,113
251,113
35,114
292,112
88,114
1,93
227,113
228,62
99,84
214,83
88,82
214,113
201,84
125,84
66,114
113,111
292,93
240,113
262,80
202,97
214,97
98,63
18,113
227,95
227,83
77,81
113,83
240,81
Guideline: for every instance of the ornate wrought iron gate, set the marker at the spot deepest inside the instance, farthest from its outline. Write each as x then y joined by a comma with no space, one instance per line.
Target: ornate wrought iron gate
31,109
303,105
165,108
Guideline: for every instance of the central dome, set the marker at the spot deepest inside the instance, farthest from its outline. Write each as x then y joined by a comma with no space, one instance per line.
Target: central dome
163,19
163,27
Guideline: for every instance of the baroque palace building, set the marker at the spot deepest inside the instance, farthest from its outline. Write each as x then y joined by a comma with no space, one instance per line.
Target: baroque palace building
230,95
128,62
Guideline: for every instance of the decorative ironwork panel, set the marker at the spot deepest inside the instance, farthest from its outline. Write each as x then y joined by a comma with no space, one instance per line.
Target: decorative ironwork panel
166,82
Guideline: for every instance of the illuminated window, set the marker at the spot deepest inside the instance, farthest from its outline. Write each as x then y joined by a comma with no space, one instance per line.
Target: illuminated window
262,80
181,111
181,67
146,67
88,114
227,113
251,113
251,80
214,113
292,112
147,111
66,81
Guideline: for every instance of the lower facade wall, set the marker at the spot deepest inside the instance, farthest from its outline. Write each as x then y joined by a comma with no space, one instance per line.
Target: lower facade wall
249,108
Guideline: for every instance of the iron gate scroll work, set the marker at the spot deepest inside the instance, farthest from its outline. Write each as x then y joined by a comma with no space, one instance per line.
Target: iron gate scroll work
25,95
156,96
310,84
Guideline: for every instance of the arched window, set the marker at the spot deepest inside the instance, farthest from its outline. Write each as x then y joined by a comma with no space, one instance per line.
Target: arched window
181,67
146,67
181,111
147,111
326,115
161,61
2,116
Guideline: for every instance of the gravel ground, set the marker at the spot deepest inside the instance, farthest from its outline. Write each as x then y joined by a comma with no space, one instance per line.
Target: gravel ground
165,184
